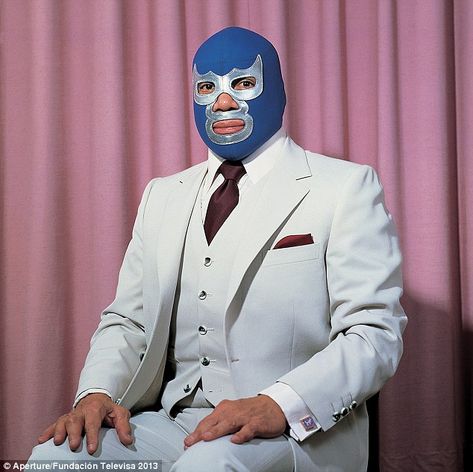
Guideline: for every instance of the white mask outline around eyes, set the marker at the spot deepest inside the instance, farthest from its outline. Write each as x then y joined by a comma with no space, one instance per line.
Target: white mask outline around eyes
223,83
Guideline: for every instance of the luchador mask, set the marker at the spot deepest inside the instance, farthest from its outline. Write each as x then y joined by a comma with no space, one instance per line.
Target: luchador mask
220,63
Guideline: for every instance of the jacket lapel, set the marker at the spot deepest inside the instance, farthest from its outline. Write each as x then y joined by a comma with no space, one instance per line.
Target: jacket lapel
172,234
282,193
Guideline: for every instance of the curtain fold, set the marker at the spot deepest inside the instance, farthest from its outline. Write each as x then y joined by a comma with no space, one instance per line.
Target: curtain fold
95,101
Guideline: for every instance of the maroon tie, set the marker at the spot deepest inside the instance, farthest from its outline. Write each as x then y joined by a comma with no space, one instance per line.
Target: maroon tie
224,199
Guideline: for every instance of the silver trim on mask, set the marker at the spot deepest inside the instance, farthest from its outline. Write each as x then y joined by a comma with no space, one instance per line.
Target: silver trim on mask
240,114
223,84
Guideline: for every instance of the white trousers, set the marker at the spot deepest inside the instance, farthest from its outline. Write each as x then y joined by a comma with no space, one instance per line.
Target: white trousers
158,437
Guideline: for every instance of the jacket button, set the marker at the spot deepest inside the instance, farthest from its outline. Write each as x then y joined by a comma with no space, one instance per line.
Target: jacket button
344,411
336,417
187,388
207,261
202,330
203,295
205,361
353,405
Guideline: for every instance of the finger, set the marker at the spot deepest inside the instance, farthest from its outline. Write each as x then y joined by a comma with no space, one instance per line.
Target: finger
47,434
60,432
74,426
191,439
203,426
120,417
221,429
92,425
245,434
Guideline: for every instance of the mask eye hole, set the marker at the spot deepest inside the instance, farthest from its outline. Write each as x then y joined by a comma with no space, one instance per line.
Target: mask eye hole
205,88
244,83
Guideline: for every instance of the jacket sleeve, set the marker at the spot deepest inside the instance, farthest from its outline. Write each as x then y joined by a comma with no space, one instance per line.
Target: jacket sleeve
364,282
119,341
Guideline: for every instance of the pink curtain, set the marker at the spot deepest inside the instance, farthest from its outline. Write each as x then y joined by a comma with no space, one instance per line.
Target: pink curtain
95,101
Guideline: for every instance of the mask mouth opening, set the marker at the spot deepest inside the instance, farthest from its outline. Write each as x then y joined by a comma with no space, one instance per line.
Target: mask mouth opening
228,127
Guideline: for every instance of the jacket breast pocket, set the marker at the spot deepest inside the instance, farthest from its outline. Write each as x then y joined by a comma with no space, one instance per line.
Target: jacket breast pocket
289,255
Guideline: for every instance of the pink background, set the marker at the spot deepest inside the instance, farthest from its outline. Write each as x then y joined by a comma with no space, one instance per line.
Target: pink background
95,101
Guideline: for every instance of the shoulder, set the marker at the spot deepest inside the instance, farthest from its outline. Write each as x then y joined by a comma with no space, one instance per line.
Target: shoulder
185,174
169,181
334,167
332,172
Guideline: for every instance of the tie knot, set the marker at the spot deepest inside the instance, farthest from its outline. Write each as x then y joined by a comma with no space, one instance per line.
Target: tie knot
232,170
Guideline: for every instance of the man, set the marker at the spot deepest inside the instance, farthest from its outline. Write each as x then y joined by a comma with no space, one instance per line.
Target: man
258,302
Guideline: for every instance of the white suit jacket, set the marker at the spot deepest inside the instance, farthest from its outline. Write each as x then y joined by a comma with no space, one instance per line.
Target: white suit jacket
323,318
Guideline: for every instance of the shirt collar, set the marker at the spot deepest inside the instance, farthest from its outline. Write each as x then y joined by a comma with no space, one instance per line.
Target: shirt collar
257,164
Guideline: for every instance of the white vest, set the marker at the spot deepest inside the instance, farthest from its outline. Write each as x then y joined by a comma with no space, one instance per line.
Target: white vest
197,348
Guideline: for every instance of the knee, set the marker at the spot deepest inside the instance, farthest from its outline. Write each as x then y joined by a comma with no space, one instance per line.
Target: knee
205,456
49,451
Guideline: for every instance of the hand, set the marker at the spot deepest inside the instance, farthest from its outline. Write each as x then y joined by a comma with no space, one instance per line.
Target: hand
88,416
247,418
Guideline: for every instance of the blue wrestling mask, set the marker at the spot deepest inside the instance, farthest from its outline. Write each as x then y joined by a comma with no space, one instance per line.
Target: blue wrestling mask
238,90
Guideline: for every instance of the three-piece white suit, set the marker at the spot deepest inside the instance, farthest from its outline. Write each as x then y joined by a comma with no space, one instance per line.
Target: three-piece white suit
323,318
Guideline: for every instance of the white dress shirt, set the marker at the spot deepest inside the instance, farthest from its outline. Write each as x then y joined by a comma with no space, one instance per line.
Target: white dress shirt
301,421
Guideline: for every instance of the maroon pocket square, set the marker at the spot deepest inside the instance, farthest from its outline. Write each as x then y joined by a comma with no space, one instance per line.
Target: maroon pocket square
294,240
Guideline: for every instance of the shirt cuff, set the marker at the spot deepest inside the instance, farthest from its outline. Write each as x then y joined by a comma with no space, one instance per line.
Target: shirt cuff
89,391
302,422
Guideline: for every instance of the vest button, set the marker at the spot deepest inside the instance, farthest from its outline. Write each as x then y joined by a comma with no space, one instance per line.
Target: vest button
207,261
202,330
205,361
203,295
344,411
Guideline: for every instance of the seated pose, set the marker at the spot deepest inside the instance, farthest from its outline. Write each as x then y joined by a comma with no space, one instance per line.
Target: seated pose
257,306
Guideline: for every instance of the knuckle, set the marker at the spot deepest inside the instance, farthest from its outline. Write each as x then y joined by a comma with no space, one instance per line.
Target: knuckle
122,411
223,405
206,422
91,422
51,427
252,428
69,420
94,410
62,419
90,430
72,419
52,430
198,431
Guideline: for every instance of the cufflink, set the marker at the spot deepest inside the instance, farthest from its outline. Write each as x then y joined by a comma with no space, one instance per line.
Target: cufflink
308,423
